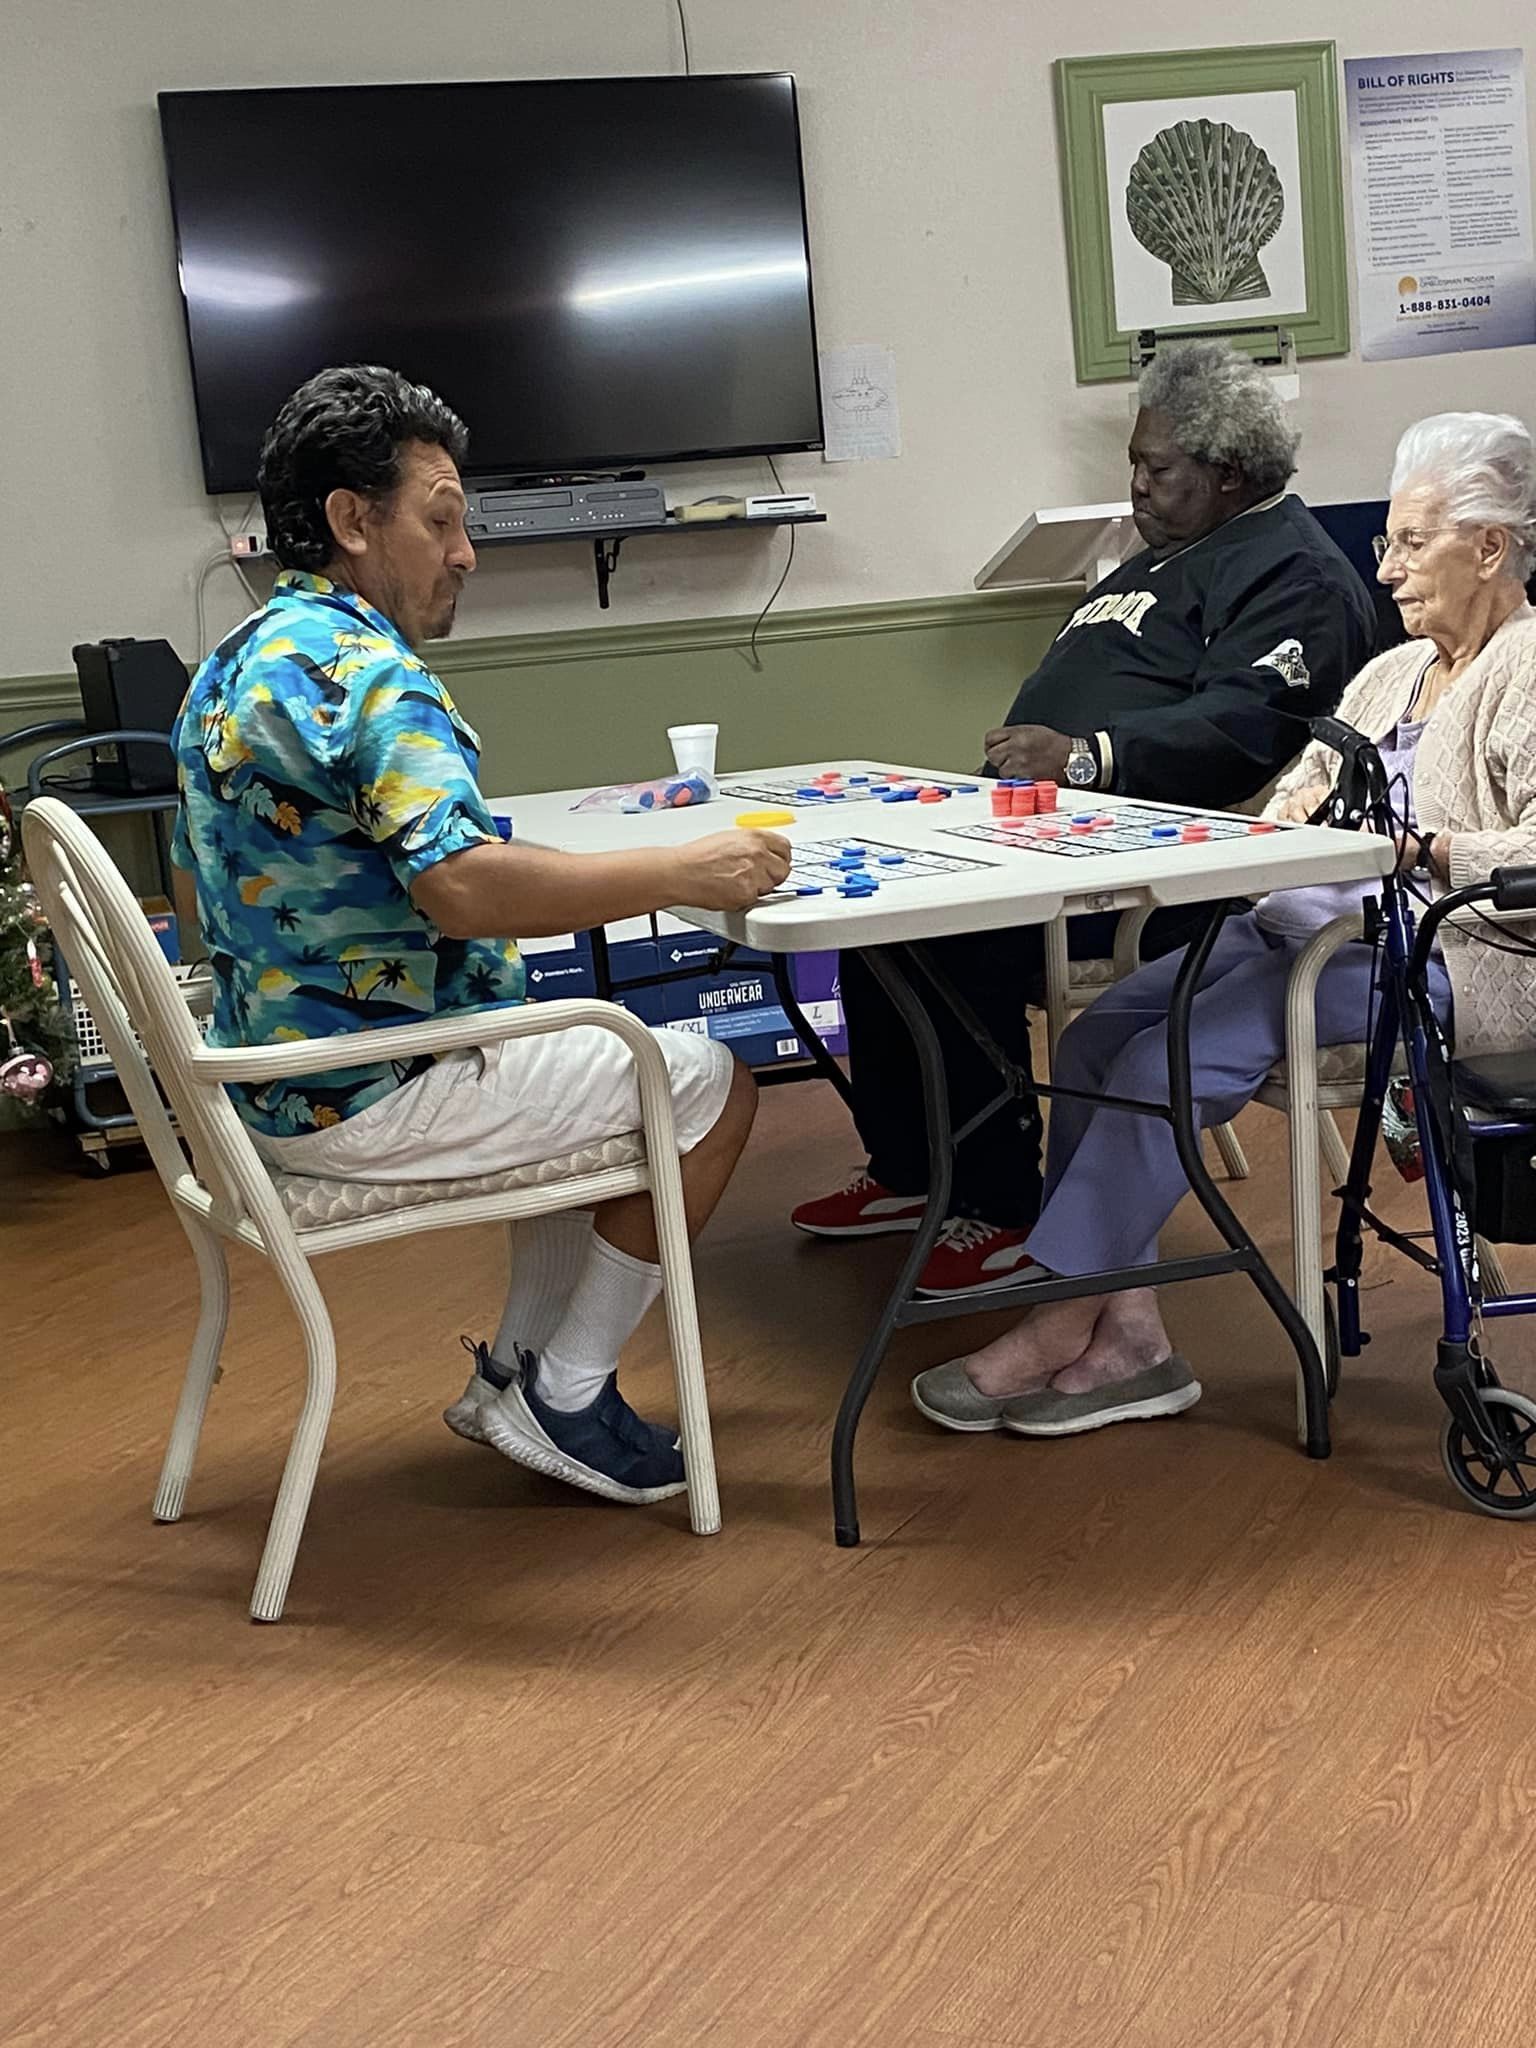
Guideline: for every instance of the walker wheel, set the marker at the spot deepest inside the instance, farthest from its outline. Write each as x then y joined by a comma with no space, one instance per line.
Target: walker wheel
1505,1486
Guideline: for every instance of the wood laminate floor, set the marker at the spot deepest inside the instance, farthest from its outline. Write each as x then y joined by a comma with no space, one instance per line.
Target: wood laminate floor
1157,1737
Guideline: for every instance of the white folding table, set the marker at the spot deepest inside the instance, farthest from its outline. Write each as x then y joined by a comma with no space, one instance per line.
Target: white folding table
1004,887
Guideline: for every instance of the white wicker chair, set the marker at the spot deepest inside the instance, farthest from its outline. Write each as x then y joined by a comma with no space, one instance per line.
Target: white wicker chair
226,1192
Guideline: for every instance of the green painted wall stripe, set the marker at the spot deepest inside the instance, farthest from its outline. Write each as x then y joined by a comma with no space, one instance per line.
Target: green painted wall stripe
25,699
920,680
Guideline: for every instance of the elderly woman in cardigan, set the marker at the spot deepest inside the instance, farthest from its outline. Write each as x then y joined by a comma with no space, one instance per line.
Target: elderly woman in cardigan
1454,714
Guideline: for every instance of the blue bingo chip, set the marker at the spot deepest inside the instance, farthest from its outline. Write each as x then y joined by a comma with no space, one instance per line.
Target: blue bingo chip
809,889
892,860
805,796
857,779
967,788
1165,831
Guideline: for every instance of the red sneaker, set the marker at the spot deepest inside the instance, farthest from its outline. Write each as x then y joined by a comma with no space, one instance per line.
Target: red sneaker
861,1209
971,1255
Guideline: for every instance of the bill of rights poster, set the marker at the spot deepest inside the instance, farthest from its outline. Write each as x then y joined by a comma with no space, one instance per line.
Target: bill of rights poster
1440,167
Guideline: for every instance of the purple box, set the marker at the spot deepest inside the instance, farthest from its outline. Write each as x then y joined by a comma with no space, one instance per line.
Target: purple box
818,990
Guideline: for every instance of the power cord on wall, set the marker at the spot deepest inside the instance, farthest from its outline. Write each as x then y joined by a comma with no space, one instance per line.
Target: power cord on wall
227,557
682,22
750,653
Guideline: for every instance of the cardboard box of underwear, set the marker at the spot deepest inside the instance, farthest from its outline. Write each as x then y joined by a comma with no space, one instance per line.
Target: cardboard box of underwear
736,1004
559,966
632,956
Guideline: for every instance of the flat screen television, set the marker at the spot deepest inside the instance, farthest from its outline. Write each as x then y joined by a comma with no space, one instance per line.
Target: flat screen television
592,272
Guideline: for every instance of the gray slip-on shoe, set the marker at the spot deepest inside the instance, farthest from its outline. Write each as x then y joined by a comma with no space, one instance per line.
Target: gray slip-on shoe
1163,1389
946,1396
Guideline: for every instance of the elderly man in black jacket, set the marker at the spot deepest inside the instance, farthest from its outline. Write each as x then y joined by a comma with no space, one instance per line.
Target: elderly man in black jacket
1180,679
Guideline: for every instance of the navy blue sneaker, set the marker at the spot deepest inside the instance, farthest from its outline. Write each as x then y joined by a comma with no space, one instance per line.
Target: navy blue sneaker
604,1448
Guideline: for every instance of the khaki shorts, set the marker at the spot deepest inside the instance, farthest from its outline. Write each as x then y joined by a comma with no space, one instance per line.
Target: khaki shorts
502,1106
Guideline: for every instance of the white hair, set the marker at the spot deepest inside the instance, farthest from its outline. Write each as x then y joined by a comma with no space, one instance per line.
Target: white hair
1483,465
1223,408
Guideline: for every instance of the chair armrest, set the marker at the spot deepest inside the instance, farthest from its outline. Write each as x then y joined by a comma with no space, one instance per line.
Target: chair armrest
1301,991
222,1064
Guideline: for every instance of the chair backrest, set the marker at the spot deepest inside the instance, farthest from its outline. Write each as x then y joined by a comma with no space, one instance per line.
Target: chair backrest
104,940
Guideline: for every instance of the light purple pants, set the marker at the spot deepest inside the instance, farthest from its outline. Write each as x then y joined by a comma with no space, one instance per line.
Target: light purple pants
1112,1179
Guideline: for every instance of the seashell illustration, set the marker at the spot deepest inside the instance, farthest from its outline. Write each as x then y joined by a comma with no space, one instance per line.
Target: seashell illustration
1204,198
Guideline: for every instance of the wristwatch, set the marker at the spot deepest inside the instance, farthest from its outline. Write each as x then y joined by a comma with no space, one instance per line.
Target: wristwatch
1082,764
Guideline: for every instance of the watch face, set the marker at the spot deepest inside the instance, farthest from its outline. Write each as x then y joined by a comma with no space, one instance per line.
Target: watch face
1080,770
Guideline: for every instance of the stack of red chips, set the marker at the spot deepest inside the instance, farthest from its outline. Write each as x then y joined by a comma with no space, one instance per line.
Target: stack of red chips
1045,796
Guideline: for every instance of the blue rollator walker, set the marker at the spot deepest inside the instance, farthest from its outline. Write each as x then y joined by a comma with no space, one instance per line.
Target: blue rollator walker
1476,1121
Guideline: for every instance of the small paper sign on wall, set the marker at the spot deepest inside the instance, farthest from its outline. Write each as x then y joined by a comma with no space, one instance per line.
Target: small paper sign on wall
862,421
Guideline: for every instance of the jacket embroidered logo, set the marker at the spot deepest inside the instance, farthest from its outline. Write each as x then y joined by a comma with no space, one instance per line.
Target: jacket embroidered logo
1287,660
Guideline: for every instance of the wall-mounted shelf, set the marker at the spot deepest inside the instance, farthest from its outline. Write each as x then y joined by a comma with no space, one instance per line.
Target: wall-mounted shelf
605,546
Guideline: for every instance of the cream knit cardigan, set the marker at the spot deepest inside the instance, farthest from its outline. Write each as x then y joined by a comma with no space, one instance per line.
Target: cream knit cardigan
1474,777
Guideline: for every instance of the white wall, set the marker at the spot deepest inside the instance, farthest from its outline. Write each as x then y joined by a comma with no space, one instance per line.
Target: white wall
936,227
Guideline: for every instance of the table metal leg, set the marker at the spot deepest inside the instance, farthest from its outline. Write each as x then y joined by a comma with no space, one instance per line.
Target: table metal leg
895,968
887,964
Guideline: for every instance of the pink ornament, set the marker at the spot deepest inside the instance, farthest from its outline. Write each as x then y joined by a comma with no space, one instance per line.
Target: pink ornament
25,1075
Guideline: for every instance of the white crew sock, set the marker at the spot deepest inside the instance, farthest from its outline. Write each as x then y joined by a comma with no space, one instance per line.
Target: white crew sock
606,1303
548,1254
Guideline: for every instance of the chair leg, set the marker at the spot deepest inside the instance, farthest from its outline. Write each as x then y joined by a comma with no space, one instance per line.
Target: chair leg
1335,1151
1058,975
1230,1146
202,1371
676,1261
298,1482
1307,1227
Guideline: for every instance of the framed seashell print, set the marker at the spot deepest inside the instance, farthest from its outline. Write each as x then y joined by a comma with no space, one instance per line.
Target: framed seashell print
1203,191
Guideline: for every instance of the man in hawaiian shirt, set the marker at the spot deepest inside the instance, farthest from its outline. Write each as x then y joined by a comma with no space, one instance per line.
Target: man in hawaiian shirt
349,876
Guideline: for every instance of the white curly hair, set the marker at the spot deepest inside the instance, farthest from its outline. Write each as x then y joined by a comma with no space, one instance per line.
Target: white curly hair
1483,466
1223,409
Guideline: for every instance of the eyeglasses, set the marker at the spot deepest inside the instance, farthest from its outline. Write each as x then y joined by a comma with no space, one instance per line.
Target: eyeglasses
1410,543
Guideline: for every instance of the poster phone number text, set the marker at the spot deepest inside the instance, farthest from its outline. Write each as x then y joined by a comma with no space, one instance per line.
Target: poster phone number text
1462,305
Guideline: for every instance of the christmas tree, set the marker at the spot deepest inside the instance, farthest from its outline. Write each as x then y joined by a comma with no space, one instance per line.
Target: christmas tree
35,1040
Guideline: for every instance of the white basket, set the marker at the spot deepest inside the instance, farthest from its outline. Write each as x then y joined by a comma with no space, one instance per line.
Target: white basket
195,987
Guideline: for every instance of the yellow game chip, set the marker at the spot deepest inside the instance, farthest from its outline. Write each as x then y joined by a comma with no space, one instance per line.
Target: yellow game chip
762,820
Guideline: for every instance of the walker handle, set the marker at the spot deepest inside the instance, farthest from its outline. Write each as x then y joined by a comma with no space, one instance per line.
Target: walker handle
1514,888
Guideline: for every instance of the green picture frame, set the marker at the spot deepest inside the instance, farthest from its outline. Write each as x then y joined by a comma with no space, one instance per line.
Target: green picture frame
1086,86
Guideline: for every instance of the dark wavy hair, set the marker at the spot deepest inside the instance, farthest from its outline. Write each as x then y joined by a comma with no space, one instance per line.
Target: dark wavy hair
343,431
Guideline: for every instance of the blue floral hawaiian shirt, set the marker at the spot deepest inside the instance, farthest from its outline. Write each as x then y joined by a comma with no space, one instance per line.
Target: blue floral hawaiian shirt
322,768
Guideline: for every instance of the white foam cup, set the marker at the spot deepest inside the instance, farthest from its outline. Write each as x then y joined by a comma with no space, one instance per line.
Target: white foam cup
693,746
